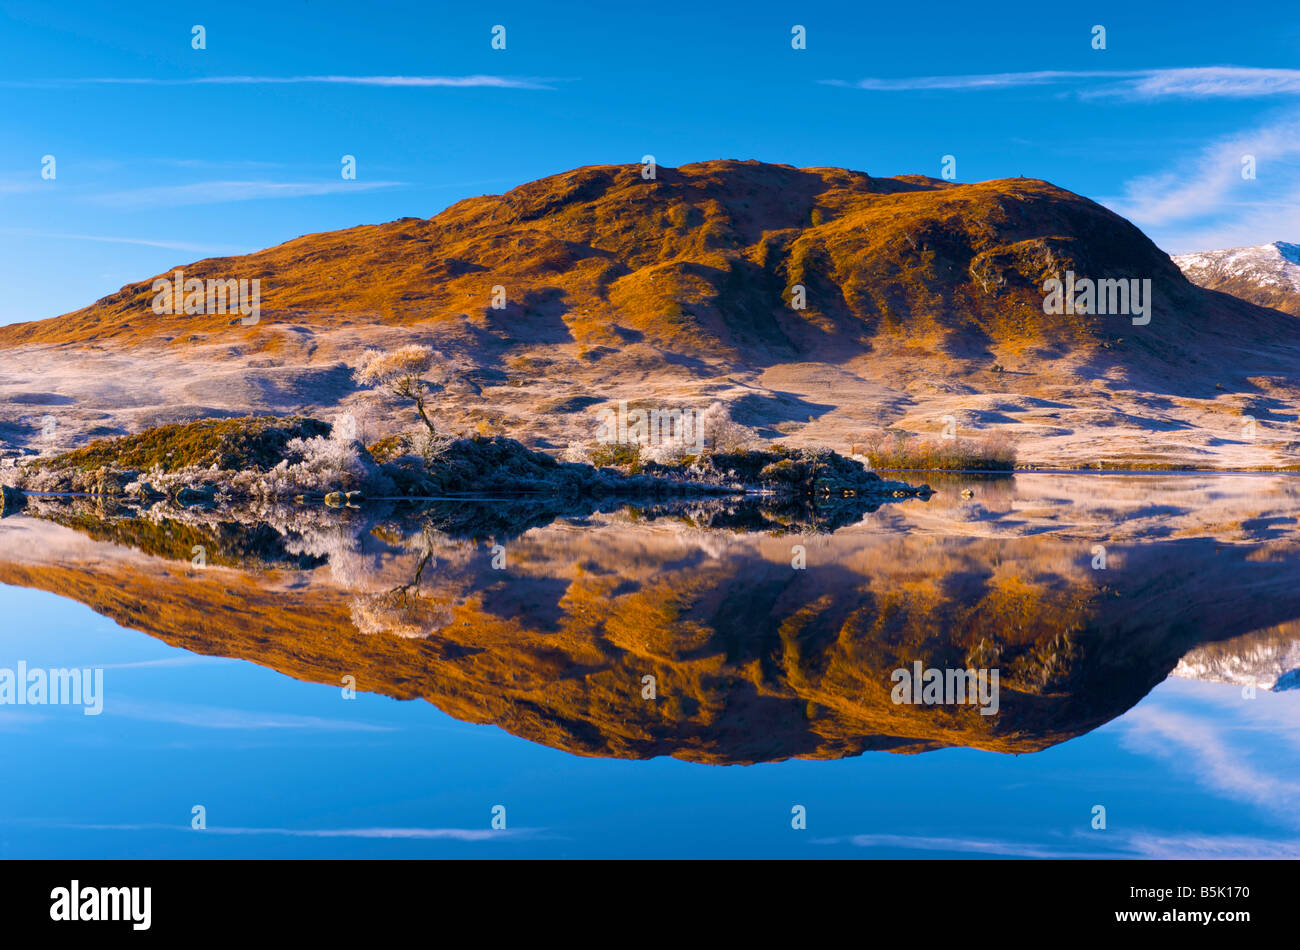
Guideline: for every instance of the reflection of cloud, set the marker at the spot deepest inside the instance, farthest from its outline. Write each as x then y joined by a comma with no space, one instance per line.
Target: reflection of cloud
17,720
1210,847
22,187
1191,82
214,192
215,717
190,659
1204,749
416,834
990,846
408,82
1108,844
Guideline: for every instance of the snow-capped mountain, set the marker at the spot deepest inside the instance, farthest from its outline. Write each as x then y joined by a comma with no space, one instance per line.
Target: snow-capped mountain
1267,274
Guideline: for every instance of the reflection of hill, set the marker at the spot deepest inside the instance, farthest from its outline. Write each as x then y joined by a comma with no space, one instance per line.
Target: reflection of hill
753,660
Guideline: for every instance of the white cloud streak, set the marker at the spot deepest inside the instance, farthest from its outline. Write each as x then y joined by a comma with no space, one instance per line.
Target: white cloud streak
1196,82
217,192
214,717
143,242
1108,844
417,834
408,82
1203,747
1202,202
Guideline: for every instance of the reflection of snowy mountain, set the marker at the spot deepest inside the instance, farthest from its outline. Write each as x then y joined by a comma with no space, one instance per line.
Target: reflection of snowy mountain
1268,274
1267,660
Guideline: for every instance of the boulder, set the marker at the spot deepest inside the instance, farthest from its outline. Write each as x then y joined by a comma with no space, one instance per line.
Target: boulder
11,500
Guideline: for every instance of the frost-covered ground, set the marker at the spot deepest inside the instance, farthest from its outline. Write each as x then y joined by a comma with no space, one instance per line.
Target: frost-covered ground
1059,413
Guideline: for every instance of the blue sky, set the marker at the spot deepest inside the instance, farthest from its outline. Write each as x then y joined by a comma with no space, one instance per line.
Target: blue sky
208,152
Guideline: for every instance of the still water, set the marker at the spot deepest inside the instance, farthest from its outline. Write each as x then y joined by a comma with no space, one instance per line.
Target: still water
693,680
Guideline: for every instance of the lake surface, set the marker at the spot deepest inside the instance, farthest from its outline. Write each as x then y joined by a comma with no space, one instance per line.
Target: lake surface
665,680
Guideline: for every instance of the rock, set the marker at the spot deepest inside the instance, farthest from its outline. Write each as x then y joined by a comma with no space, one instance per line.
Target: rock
11,500
967,493
335,499
354,498
147,493
105,482
188,497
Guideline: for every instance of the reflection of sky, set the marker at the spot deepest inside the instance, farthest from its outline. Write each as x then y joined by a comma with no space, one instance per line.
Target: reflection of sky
291,769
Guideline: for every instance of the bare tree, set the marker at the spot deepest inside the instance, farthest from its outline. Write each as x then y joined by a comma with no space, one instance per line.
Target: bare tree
404,373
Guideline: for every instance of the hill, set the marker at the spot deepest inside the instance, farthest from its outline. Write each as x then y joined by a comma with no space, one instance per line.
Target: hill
924,302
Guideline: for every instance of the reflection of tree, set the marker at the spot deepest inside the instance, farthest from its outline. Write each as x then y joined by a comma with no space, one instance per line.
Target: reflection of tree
404,591
402,610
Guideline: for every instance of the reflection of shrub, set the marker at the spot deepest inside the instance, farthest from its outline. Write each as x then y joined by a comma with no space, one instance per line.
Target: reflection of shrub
1048,664
993,452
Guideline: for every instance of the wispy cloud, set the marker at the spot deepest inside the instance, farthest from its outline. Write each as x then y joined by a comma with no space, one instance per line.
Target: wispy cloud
143,242
1201,202
216,192
187,660
1204,748
977,81
18,720
410,82
22,184
1197,82
217,163
418,834
1100,844
215,717
990,846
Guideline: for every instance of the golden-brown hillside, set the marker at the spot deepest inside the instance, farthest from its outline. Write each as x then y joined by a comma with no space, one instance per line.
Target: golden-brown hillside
702,258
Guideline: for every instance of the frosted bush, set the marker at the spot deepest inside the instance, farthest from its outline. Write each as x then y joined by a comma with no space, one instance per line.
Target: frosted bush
722,433
577,452
668,453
